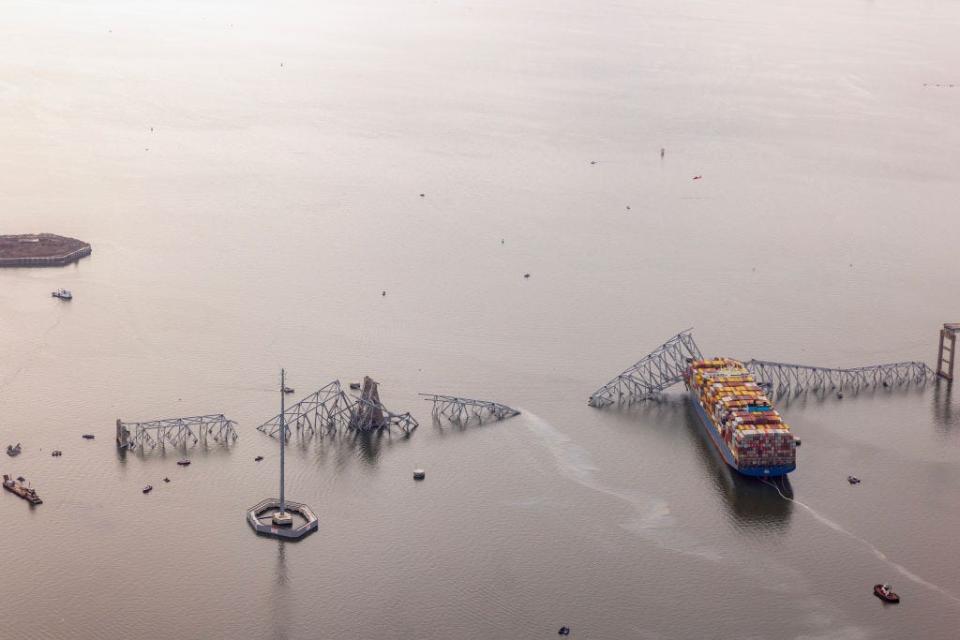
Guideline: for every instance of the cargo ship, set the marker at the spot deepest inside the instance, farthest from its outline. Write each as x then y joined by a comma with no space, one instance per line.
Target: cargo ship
19,488
736,413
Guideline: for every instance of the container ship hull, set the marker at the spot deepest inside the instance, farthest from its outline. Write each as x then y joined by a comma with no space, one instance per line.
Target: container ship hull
739,418
721,446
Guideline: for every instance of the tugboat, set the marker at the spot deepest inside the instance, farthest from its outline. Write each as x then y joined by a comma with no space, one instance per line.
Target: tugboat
183,462
63,294
148,488
19,488
885,593
13,451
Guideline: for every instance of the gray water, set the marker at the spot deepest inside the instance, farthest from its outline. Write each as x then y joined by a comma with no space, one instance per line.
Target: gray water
277,194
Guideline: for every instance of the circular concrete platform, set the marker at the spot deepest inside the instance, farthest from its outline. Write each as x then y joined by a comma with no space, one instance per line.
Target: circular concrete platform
260,517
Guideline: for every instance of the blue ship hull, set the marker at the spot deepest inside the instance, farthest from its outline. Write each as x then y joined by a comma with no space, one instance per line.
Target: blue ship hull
721,446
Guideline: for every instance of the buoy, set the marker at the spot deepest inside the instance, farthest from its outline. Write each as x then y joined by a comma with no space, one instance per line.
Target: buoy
419,474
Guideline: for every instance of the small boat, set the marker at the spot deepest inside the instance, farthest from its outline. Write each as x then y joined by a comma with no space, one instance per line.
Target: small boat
56,453
88,436
564,631
13,451
288,389
183,462
355,386
419,474
63,294
18,487
258,459
148,488
853,479
885,593
166,479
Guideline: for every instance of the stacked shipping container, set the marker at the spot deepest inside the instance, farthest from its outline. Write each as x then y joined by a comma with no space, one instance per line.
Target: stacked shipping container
751,429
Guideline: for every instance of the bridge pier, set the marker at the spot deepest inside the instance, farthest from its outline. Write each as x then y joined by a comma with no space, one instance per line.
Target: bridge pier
946,356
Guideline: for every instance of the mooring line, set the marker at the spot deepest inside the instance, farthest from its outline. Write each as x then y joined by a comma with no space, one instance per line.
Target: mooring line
876,552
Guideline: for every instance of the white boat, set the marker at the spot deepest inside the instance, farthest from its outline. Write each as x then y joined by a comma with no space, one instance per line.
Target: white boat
63,294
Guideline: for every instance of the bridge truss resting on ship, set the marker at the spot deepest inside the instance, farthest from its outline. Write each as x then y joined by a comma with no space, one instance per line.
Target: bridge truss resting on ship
664,367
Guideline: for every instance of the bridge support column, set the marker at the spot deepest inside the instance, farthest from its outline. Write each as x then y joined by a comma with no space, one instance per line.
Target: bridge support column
946,356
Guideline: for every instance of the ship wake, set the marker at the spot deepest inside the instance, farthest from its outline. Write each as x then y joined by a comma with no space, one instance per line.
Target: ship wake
880,555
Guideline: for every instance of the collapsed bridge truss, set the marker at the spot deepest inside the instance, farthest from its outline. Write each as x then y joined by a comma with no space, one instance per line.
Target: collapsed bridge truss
783,378
330,410
178,432
661,368
461,410
664,367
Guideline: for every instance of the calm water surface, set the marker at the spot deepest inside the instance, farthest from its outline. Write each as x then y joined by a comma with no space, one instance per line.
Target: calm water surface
249,176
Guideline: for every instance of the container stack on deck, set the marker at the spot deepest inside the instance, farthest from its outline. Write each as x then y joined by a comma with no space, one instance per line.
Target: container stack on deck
752,429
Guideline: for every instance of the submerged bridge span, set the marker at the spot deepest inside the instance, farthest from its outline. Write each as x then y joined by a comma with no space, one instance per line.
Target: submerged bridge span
330,410
178,432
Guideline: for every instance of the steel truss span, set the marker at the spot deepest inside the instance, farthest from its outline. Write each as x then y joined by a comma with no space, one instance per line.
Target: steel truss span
179,432
783,378
330,410
658,370
461,410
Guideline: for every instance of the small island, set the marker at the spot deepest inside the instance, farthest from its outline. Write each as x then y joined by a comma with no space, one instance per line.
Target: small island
41,250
